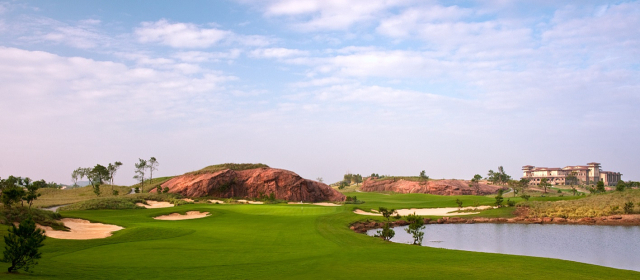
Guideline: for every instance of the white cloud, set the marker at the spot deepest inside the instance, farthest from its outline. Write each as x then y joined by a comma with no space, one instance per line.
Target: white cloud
197,56
327,14
102,91
85,34
179,35
189,35
277,53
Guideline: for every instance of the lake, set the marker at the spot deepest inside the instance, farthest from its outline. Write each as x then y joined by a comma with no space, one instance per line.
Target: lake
612,246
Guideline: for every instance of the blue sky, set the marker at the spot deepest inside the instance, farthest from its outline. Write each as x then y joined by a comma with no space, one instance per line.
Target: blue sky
319,87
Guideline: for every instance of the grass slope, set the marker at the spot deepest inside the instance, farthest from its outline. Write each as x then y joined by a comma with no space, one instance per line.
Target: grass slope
279,242
232,166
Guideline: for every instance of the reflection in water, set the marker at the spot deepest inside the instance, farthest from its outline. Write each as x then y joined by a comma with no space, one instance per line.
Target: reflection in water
612,246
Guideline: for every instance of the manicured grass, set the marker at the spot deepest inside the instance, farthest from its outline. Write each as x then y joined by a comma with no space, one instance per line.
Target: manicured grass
279,242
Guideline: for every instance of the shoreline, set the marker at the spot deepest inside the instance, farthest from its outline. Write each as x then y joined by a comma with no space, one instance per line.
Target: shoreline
613,220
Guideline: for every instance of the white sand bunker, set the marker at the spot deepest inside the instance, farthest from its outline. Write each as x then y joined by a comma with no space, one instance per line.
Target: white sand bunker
81,230
317,203
215,201
188,216
188,199
249,201
429,211
155,204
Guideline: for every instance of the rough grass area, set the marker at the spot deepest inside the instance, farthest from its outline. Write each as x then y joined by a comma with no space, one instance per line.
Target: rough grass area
277,242
611,203
232,166
128,202
43,217
53,197
152,184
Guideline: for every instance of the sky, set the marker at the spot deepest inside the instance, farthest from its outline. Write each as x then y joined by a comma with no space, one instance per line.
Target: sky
319,87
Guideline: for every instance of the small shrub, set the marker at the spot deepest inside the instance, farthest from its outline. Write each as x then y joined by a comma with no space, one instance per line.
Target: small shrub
559,191
165,190
628,207
511,203
115,192
386,232
499,200
459,202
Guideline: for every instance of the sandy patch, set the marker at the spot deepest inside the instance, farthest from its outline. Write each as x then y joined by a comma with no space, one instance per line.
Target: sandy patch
326,204
81,230
215,201
188,199
155,204
296,203
249,201
447,211
188,216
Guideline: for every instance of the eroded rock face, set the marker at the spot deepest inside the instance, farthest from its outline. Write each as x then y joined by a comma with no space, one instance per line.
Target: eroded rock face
439,187
253,183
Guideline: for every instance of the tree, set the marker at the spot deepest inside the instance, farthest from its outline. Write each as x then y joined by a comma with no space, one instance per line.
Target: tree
12,191
387,213
499,177
32,191
97,176
514,185
22,245
621,186
159,189
571,179
75,175
386,233
140,168
152,165
416,225
545,184
499,198
423,176
600,187
459,202
113,168
475,183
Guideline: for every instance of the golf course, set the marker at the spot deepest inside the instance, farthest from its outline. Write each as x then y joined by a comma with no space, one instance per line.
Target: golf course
280,241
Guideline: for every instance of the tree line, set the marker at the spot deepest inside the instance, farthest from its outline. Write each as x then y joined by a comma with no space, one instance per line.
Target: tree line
99,174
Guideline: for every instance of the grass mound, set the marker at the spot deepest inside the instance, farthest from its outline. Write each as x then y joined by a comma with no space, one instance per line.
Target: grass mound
153,183
53,197
128,202
232,166
42,217
612,203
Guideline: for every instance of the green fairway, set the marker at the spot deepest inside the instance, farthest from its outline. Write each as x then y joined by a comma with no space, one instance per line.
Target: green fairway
278,242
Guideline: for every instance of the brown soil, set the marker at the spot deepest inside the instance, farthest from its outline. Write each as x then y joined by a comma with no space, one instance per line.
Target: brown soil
251,184
438,187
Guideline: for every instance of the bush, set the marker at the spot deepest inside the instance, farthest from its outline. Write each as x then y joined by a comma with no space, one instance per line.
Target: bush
22,245
42,217
511,203
459,202
628,207
525,197
386,232
105,203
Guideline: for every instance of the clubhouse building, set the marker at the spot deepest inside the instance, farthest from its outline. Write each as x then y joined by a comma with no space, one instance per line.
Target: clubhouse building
588,174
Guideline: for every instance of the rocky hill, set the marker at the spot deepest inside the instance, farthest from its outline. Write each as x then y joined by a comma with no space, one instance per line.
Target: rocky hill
231,181
439,187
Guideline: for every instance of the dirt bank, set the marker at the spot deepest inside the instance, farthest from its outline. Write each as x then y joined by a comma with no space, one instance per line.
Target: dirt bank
252,184
439,187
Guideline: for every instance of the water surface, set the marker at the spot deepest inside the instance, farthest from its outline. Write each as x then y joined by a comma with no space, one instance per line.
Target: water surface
612,246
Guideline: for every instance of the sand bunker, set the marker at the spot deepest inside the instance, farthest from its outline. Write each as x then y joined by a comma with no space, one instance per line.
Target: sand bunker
188,199
155,204
81,230
326,204
249,201
215,201
317,203
188,216
429,211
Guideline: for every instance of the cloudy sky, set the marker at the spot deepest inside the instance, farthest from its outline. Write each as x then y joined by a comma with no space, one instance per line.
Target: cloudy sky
320,87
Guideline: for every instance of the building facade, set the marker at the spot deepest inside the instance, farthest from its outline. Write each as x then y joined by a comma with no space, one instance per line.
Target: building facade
585,174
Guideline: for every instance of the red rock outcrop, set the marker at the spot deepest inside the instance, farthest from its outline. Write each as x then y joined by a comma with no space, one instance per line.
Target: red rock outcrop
253,183
439,187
